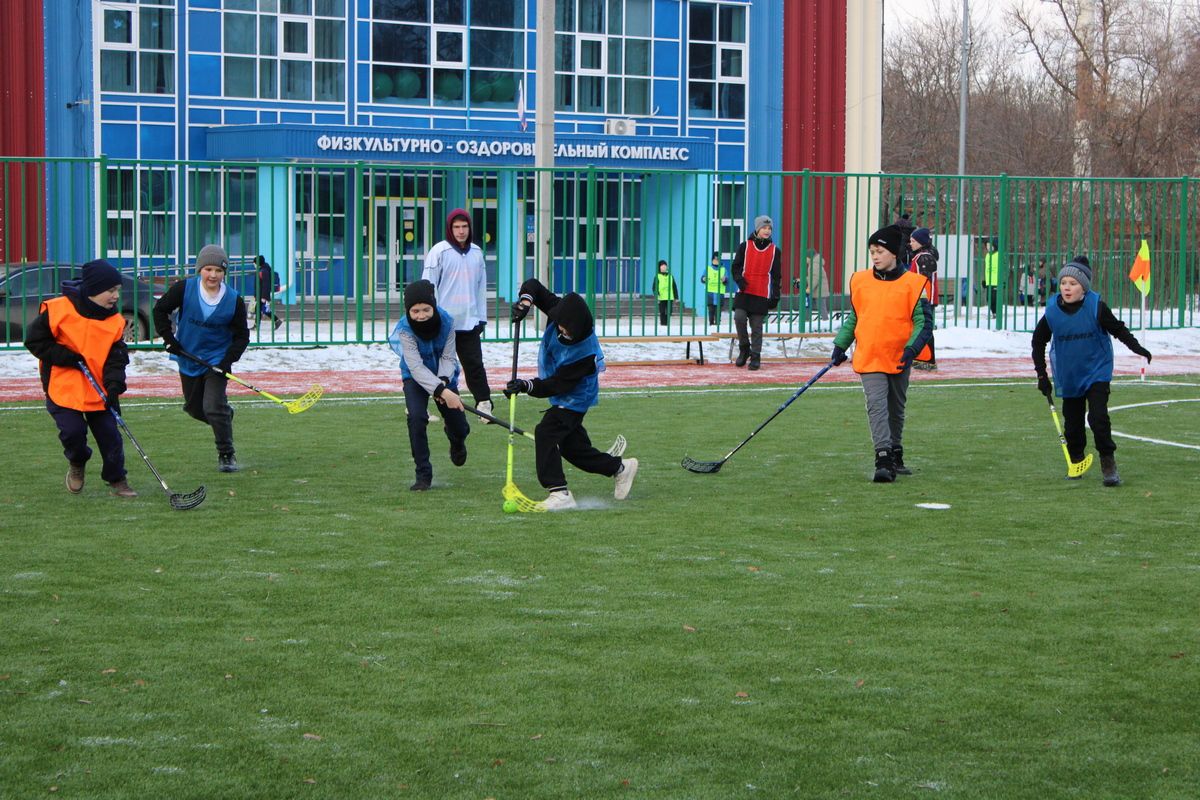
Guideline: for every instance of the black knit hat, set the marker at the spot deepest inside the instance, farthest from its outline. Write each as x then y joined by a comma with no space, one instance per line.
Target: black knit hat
421,291
889,238
98,276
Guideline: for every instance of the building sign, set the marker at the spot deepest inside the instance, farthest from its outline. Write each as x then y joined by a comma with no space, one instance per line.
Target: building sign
244,142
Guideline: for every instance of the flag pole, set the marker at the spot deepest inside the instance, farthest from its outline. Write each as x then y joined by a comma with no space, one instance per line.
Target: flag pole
1143,334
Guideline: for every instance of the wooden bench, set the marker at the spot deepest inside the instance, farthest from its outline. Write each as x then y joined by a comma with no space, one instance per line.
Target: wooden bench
781,336
698,338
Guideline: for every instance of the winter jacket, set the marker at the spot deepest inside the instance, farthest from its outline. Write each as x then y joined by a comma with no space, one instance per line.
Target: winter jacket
758,273
70,329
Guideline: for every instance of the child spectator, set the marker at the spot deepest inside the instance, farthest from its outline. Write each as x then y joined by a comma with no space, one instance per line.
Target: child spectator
424,339
569,365
715,280
758,273
925,263
1077,325
665,290
266,284
889,322
210,323
84,324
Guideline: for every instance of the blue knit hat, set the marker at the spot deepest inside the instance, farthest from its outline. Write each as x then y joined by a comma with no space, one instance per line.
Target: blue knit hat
98,276
922,235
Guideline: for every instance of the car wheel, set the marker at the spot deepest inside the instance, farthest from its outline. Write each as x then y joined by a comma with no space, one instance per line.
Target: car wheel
136,328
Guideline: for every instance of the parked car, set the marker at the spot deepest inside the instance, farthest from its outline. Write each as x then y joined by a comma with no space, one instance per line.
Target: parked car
23,287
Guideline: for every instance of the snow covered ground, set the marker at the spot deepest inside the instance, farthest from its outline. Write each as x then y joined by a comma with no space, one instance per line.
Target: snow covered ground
951,343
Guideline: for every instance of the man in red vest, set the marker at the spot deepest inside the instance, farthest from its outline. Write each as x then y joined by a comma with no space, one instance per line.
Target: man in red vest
757,271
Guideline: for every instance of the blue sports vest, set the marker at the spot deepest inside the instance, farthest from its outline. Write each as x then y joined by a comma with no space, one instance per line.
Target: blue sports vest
207,338
430,349
554,354
1081,352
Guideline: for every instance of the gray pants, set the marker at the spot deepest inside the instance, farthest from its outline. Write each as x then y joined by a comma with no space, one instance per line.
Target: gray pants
886,397
751,342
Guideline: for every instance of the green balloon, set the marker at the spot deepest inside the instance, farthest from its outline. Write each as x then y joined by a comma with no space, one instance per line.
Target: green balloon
407,84
381,87
481,91
448,86
504,89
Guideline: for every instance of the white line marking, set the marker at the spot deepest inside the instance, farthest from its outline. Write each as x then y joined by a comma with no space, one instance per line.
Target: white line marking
1147,438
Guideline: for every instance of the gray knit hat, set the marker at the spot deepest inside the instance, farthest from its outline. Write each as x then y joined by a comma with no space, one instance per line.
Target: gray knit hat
1079,269
212,255
760,220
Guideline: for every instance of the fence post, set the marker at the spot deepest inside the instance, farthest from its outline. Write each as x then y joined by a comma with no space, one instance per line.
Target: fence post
1002,272
102,209
1183,251
810,292
353,254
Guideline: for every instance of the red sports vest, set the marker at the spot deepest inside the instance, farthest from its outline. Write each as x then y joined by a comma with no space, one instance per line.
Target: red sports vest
756,269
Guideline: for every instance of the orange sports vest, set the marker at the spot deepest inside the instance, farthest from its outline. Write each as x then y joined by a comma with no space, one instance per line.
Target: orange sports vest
92,339
884,310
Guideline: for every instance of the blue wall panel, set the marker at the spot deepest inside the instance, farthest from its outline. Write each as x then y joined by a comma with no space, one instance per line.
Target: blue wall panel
118,141
205,75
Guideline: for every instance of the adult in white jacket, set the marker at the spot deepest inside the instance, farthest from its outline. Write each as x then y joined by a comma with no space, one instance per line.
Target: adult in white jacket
455,268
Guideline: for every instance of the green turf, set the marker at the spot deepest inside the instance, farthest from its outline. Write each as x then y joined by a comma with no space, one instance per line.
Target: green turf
784,628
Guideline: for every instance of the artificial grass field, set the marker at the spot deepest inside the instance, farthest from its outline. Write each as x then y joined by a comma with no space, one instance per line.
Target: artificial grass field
784,628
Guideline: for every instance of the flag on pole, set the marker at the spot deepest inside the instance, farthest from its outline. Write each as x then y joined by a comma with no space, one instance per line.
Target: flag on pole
521,106
1139,273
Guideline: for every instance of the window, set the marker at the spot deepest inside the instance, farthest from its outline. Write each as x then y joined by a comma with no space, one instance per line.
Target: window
137,48
602,56
141,212
441,52
224,209
716,60
285,49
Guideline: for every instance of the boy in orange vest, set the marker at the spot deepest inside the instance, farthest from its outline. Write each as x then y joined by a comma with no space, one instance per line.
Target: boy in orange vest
890,322
85,324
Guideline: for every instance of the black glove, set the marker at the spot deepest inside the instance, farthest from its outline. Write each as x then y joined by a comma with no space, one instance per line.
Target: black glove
226,365
479,328
517,386
773,303
1144,353
838,356
1045,386
906,358
172,346
113,388
521,308
741,284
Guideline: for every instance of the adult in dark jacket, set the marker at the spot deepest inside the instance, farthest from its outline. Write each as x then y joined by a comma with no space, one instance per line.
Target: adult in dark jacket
266,284
758,273
210,323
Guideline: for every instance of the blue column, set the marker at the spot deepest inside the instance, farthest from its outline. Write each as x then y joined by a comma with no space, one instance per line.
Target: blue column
677,225
510,221
276,210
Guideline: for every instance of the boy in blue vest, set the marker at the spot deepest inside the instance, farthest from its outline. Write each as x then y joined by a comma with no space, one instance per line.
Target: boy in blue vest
1077,324
210,323
569,365
425,341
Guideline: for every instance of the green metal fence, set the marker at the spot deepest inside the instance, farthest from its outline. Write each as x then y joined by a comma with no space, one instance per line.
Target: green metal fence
346,237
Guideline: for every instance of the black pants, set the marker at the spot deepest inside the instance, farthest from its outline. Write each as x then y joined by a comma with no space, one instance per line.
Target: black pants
416,401
72,432
470,355
1095,404
561,435
204,399
664,312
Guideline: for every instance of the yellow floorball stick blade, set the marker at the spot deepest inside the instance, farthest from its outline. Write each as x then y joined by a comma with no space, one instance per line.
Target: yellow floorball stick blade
1079,467
307,401
524,504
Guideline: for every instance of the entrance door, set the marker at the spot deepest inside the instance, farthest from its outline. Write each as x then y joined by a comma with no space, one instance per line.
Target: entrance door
400,239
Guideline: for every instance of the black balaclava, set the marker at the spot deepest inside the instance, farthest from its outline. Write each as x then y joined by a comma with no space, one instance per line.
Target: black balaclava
572,313
422,292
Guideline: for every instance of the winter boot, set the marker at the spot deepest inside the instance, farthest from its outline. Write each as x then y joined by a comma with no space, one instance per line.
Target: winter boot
75,478
743,355
898,461
885,467
122,488
754,361
1108,467
458,453
420,485
227,463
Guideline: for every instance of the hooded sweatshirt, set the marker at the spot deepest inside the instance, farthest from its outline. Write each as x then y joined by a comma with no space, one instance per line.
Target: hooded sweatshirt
459,276
569,366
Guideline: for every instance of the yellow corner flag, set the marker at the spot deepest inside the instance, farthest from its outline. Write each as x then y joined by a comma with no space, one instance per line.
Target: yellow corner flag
1139,273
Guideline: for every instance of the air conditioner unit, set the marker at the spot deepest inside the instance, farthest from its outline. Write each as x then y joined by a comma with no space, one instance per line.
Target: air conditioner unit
620,127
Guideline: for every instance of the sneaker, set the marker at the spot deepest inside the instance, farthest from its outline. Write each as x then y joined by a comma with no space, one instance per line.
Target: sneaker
1108,467
420,485
486,407
885,467
560,500
458,453
227,463
898,462
624,478
75,478
122,488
